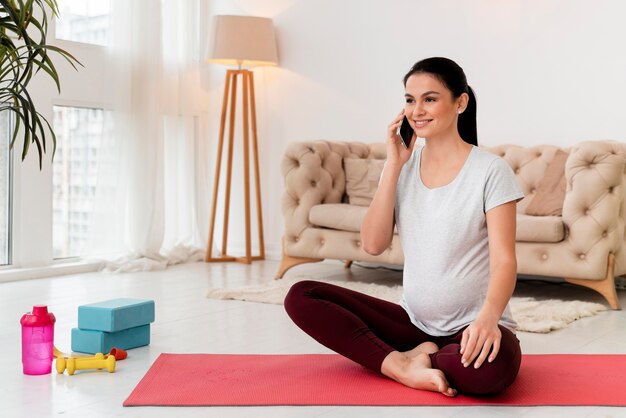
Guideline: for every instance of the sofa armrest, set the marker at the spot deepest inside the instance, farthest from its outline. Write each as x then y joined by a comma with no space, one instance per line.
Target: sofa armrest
593,209
313,174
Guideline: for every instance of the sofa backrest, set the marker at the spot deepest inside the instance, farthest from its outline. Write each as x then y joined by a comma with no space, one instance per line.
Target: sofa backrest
529,165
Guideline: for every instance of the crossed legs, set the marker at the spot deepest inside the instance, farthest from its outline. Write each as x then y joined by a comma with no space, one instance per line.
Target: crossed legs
380,336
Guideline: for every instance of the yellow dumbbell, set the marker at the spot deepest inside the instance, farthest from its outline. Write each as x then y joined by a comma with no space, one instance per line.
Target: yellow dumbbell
99,361
60,364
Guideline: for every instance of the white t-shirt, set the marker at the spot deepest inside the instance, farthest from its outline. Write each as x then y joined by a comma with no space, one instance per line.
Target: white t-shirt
444,238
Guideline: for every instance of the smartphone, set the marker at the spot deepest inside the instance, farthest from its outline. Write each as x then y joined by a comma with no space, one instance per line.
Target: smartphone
406,133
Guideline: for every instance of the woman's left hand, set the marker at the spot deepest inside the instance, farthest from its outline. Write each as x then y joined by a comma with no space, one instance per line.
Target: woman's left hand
480,339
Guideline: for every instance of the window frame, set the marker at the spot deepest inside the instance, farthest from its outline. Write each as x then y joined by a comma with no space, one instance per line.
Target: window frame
10,188
31,192
53,33
75,105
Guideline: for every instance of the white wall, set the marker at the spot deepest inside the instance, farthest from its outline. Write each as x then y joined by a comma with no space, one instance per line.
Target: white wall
544,72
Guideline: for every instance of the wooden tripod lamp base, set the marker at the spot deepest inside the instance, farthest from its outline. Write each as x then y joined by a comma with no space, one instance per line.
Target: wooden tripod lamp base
249,114
242,41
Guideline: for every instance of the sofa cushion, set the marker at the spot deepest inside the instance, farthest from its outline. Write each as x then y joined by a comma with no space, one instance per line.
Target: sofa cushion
539,228
548,201
338,216
362,176
346,217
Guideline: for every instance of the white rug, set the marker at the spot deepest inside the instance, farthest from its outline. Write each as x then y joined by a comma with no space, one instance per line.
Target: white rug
531,315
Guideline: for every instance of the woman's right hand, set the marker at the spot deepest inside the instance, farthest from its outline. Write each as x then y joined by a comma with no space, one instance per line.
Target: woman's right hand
397,154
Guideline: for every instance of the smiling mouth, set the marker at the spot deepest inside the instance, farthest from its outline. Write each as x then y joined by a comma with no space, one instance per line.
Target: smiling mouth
421,123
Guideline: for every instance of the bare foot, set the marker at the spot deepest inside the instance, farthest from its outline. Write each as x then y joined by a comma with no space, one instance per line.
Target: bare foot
427,347
416,373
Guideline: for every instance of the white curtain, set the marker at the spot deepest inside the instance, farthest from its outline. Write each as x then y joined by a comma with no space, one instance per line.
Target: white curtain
152,195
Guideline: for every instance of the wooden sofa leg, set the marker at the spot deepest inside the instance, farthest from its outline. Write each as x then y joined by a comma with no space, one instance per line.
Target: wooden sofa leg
347,264
288,262
606,286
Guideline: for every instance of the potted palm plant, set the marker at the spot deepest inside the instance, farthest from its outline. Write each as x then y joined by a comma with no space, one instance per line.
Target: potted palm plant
24,53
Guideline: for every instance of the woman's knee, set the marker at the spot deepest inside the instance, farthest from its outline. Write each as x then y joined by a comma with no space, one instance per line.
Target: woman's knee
297,295
489,378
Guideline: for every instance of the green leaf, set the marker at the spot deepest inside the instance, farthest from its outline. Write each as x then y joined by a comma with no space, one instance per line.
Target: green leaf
19,63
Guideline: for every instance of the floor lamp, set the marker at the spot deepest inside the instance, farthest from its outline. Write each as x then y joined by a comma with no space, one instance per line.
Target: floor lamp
242,41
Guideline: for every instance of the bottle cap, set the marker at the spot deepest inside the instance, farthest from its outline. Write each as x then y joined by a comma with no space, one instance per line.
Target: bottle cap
40,317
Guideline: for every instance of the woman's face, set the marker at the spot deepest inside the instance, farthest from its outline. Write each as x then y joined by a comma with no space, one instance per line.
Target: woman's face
430,107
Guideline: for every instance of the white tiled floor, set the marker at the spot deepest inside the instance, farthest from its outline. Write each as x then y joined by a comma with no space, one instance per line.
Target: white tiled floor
187,322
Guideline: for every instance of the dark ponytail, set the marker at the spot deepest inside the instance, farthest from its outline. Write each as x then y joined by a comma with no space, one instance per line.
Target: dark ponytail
467,120
452,76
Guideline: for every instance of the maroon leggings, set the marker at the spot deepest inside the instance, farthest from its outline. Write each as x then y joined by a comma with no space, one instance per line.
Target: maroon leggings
366,329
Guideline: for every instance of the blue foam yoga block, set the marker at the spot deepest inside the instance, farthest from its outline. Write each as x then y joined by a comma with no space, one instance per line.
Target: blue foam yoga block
88,341
115,314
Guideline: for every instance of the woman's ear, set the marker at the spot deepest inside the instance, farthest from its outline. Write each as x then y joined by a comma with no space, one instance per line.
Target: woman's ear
462,102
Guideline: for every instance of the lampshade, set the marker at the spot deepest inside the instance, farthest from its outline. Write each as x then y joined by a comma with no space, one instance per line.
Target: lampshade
243,40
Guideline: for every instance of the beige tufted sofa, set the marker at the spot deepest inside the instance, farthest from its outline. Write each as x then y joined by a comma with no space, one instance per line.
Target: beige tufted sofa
585,246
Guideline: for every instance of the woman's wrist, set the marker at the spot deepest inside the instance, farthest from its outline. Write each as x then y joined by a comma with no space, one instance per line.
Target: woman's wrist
489,314
392,167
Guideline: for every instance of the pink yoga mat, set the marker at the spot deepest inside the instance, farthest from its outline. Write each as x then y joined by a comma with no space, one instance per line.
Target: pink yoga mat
329,379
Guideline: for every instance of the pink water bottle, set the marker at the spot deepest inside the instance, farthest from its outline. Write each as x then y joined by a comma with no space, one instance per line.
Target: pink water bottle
37,340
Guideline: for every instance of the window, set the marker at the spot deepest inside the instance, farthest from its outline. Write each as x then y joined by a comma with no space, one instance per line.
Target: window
74,176
85,21
5,189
